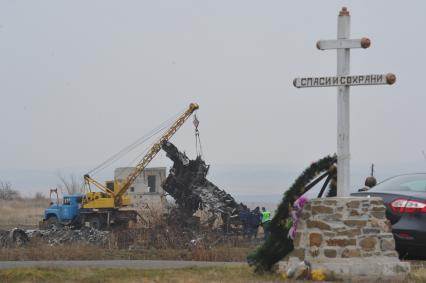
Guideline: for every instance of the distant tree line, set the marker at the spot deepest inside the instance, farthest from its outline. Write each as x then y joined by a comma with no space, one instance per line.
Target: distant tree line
7,193
69,185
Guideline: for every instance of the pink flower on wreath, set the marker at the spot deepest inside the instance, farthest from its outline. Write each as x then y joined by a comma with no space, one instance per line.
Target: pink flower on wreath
300,202
295,215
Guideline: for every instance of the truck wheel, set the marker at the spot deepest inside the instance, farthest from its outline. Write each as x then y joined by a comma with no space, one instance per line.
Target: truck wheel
95,223
77,222
52,222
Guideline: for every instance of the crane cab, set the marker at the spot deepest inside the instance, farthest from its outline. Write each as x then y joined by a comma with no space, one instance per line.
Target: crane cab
105,200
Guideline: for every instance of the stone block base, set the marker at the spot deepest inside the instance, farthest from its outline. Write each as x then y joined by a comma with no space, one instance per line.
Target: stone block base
348,237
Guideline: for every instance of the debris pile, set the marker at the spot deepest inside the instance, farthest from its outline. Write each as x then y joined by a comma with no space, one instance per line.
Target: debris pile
188,185
13,238
59,236
54,236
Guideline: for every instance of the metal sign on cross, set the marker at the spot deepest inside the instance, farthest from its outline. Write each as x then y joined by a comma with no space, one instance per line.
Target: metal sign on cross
343,81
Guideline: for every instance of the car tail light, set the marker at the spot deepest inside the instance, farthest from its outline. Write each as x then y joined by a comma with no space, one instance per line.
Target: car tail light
405,235
408,206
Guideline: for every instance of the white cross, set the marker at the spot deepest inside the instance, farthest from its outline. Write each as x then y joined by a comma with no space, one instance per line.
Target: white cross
343,80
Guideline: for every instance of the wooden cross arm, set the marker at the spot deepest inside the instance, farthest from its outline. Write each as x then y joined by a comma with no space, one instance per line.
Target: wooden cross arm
343,43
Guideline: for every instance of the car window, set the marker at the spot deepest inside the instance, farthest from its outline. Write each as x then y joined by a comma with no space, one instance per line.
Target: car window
408,183
415,186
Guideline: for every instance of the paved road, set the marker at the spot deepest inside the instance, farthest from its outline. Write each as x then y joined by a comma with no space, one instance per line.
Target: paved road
139,264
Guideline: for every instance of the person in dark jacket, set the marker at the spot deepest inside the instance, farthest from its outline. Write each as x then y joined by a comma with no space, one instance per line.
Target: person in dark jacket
244,218
255,219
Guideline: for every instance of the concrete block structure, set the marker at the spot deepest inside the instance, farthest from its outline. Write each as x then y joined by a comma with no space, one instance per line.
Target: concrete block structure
146,191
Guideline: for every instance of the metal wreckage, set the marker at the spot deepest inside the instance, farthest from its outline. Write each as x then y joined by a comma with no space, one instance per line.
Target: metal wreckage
192,191
54,236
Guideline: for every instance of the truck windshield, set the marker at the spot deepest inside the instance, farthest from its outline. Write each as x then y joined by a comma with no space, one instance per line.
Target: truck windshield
66,201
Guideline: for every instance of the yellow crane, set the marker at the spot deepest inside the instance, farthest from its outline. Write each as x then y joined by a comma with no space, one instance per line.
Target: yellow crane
115,198
102,208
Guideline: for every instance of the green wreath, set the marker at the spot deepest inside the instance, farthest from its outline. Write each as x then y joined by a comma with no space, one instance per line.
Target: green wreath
278,245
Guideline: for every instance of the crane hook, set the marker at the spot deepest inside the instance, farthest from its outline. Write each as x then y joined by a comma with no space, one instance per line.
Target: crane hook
198,147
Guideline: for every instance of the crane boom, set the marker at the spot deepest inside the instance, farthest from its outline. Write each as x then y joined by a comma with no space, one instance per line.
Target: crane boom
154,150
117,194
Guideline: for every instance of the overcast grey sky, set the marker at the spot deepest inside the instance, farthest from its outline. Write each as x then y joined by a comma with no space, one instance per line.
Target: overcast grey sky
79,80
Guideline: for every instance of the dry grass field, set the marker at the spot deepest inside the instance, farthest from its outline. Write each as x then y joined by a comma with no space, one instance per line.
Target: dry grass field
38,250
183,275
21,212
150,244
96,275
418,275
28,212
81,252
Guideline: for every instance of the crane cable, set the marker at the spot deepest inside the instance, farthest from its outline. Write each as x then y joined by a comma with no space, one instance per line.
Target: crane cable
198,146
133,145
123,152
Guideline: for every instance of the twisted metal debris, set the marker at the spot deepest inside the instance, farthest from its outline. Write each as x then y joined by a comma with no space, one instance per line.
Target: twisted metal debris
188,185
60,236
54,236
13,238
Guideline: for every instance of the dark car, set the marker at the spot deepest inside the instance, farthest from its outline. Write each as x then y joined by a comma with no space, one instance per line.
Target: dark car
405,200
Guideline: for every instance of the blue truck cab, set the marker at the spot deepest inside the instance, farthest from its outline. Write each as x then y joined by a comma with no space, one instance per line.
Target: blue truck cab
70,213
65,212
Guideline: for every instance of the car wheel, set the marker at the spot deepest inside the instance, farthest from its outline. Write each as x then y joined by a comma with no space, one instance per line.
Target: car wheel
402,251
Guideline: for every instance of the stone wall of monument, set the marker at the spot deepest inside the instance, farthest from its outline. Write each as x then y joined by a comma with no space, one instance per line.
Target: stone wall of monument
332,228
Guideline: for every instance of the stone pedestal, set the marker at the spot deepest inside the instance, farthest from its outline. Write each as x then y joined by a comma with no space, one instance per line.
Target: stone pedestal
348,237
